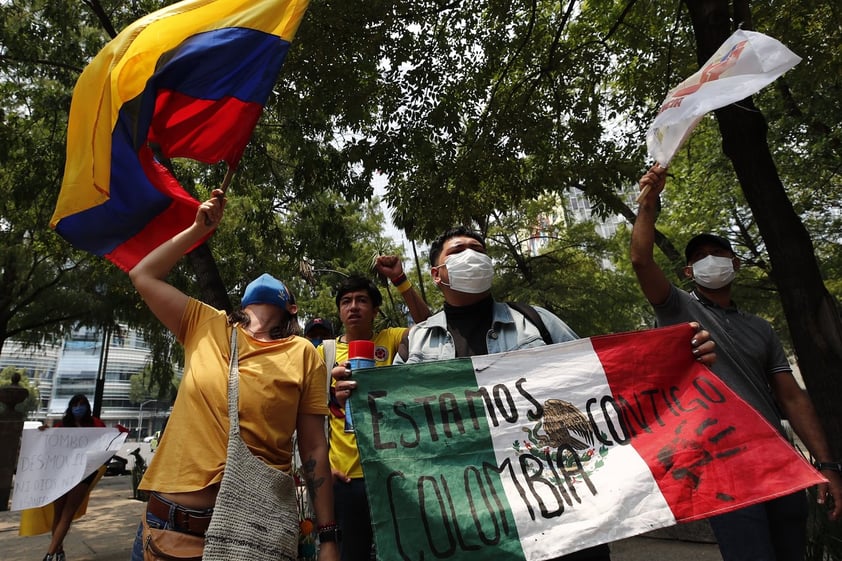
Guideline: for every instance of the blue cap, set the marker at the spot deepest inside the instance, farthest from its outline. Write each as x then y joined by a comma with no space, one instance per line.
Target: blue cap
266,289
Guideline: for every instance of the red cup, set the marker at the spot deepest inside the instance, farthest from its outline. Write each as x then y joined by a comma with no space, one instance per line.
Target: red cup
361,349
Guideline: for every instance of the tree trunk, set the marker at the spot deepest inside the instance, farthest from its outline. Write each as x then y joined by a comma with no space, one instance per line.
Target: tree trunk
210,281
811,311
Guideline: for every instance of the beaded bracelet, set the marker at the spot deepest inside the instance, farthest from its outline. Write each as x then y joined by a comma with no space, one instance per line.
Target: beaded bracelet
330,534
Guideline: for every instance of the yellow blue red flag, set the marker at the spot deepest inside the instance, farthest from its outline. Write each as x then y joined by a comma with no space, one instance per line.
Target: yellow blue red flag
188,81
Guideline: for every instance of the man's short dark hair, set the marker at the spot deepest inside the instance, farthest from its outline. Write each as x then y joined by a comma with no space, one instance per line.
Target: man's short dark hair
356,283
705,239
458,231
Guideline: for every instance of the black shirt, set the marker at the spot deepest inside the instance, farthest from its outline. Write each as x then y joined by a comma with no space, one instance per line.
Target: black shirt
469,325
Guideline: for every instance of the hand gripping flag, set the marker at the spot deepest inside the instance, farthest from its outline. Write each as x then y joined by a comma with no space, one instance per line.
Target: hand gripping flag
745,63
189,81
533,454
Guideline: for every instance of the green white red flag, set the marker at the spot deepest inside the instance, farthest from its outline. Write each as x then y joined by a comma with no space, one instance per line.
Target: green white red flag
532,454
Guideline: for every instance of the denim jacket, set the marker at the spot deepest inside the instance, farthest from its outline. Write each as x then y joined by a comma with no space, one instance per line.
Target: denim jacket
511,330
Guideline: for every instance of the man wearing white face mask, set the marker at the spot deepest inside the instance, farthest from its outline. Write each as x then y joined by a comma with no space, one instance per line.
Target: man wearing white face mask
473,323
751,360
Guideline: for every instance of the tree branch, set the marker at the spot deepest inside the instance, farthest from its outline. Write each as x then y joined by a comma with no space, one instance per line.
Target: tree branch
103,18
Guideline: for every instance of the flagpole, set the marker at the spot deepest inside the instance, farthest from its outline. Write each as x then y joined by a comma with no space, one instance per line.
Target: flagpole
647,187
226,182
643,193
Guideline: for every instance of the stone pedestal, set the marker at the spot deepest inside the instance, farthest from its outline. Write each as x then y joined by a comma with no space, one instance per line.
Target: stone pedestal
11,427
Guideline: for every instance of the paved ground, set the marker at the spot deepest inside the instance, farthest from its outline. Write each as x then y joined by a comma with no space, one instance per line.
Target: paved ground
106,533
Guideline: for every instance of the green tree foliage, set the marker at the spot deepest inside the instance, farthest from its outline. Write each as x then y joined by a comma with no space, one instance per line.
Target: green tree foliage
283,204
143,387
474,111
499,103
570,276
804,111
329,258
46,286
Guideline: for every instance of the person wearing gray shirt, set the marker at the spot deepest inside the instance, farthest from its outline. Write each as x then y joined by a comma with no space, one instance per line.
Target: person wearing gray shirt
751,360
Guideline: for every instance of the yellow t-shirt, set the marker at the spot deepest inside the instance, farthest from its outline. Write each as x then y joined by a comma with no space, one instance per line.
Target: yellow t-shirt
278,381
344,455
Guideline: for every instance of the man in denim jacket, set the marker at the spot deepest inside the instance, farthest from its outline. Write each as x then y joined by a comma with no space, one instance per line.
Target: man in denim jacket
472,323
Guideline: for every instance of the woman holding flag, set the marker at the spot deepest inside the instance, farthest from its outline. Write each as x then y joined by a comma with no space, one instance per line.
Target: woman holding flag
282,390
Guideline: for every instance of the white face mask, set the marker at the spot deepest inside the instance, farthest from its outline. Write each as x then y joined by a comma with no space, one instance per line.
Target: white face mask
469,271
714,272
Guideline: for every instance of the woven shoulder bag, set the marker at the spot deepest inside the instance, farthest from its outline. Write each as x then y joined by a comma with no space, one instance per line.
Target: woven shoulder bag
256,514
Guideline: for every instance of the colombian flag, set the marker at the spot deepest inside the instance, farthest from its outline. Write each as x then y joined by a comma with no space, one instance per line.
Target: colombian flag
188,81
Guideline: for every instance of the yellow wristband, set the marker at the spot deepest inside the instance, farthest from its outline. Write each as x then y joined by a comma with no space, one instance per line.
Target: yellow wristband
404,286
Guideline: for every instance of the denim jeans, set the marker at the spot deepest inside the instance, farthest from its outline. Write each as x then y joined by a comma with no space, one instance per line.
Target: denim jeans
772,531
155,522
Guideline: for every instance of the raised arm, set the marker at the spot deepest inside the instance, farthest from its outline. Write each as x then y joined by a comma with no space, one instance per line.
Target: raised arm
149,275
653,282
391,267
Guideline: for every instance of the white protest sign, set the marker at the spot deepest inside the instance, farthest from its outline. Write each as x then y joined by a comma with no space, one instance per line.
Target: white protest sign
54,460
745,63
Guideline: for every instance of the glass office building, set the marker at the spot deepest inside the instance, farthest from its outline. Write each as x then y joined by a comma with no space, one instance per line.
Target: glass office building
62,370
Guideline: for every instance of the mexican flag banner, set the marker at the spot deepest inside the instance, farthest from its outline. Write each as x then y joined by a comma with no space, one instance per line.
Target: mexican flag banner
536,453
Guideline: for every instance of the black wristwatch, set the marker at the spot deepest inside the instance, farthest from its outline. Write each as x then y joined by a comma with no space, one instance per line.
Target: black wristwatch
333,534
833,466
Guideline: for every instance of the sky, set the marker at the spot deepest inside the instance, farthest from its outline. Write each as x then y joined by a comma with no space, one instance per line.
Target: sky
379,183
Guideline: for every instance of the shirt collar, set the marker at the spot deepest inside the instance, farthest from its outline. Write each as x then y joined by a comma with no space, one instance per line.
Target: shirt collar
711,304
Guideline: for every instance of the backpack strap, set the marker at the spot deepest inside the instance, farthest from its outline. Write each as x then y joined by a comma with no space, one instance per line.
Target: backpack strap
329,347
532,315
403,346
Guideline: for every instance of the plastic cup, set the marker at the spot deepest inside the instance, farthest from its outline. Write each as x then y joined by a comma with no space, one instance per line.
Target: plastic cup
360,355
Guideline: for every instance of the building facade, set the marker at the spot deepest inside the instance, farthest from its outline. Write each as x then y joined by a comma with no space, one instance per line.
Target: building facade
573,207
70,367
